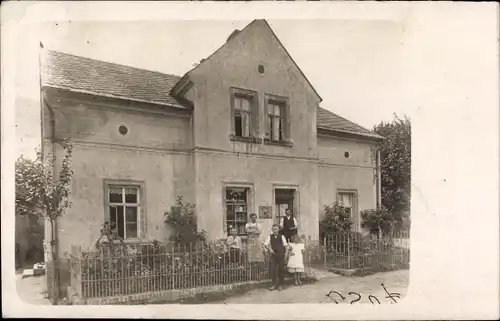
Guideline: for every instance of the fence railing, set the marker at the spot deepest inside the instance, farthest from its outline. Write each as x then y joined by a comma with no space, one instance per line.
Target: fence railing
126,269
142,268
358,251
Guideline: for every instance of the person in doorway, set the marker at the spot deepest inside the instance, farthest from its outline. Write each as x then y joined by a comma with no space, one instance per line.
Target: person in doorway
255,250
288,225
295,261
277,246
235,245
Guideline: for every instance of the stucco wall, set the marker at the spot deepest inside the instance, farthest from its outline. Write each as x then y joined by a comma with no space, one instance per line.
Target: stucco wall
353,173
262,173
236,65
154,152
162,175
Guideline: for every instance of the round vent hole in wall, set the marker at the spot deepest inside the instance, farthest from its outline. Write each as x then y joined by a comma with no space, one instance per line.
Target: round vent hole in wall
123,130
346,155
261,69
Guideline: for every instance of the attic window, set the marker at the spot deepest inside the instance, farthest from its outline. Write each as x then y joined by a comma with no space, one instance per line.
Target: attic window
261,69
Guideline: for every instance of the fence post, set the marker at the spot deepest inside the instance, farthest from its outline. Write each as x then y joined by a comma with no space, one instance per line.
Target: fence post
325,252
173,267
78,268
348,250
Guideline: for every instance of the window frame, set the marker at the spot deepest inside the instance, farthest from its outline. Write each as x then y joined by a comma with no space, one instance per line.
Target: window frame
249,204
354,205
284,103
140,205
253,119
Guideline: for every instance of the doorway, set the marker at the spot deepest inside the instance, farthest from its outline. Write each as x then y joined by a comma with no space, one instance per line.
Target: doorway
283,200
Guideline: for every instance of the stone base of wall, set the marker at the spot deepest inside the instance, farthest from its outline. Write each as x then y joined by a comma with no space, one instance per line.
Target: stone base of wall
368,270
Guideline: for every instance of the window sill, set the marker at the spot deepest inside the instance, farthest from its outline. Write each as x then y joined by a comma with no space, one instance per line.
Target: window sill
278,142
245,139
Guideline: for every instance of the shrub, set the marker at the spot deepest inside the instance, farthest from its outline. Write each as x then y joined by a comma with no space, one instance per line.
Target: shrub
378,221
182,219
336,220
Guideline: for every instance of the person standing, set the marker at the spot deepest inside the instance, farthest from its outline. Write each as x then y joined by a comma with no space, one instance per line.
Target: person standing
288,225
255,250
295,262
277,246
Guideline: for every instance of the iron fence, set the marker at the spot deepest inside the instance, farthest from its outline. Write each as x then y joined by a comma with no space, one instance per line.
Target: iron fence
359,251
140,268
150,267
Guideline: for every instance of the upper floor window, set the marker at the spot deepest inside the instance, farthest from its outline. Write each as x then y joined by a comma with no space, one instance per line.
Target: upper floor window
242,116
278,119
124,209
275,121
244,112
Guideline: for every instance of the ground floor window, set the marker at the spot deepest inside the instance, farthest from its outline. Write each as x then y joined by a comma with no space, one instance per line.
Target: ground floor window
236,209
124,210
349,200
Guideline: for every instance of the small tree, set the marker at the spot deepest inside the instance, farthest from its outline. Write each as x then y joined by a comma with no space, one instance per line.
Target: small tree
378,221
182,219
336,220
40,192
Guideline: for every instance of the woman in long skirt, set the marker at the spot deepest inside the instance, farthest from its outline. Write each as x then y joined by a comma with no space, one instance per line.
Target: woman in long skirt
255,249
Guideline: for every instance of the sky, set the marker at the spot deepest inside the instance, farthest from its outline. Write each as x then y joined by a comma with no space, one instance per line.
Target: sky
357,66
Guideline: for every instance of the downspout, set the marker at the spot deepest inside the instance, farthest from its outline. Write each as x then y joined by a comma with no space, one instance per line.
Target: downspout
379,185
379,178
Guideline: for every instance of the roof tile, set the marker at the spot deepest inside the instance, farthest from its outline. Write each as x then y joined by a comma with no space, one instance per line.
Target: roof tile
71,72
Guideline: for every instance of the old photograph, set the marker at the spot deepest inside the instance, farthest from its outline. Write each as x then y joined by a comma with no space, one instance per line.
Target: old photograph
247,161
234,181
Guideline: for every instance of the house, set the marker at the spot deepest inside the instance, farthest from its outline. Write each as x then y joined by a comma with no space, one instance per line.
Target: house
242,132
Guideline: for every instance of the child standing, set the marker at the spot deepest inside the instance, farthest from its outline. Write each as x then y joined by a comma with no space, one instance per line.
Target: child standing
295,261
235,246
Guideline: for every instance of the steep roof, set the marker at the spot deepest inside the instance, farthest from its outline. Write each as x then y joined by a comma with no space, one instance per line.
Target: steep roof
74,73
100,78
237,33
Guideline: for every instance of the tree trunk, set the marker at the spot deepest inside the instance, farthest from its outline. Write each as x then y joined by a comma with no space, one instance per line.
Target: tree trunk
55,268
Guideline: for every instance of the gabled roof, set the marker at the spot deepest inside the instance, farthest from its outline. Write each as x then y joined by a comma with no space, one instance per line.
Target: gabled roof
236,33
84,75
329,121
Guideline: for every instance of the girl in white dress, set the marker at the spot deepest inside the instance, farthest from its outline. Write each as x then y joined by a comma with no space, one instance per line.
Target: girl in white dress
295,261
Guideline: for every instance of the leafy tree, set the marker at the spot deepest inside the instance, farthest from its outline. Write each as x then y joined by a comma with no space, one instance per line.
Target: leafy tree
395,156
42,192
182,219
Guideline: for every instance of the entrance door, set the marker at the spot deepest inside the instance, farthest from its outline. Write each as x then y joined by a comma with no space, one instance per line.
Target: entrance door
283,200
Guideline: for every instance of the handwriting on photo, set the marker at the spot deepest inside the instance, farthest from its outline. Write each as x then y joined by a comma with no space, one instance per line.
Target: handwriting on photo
392,296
